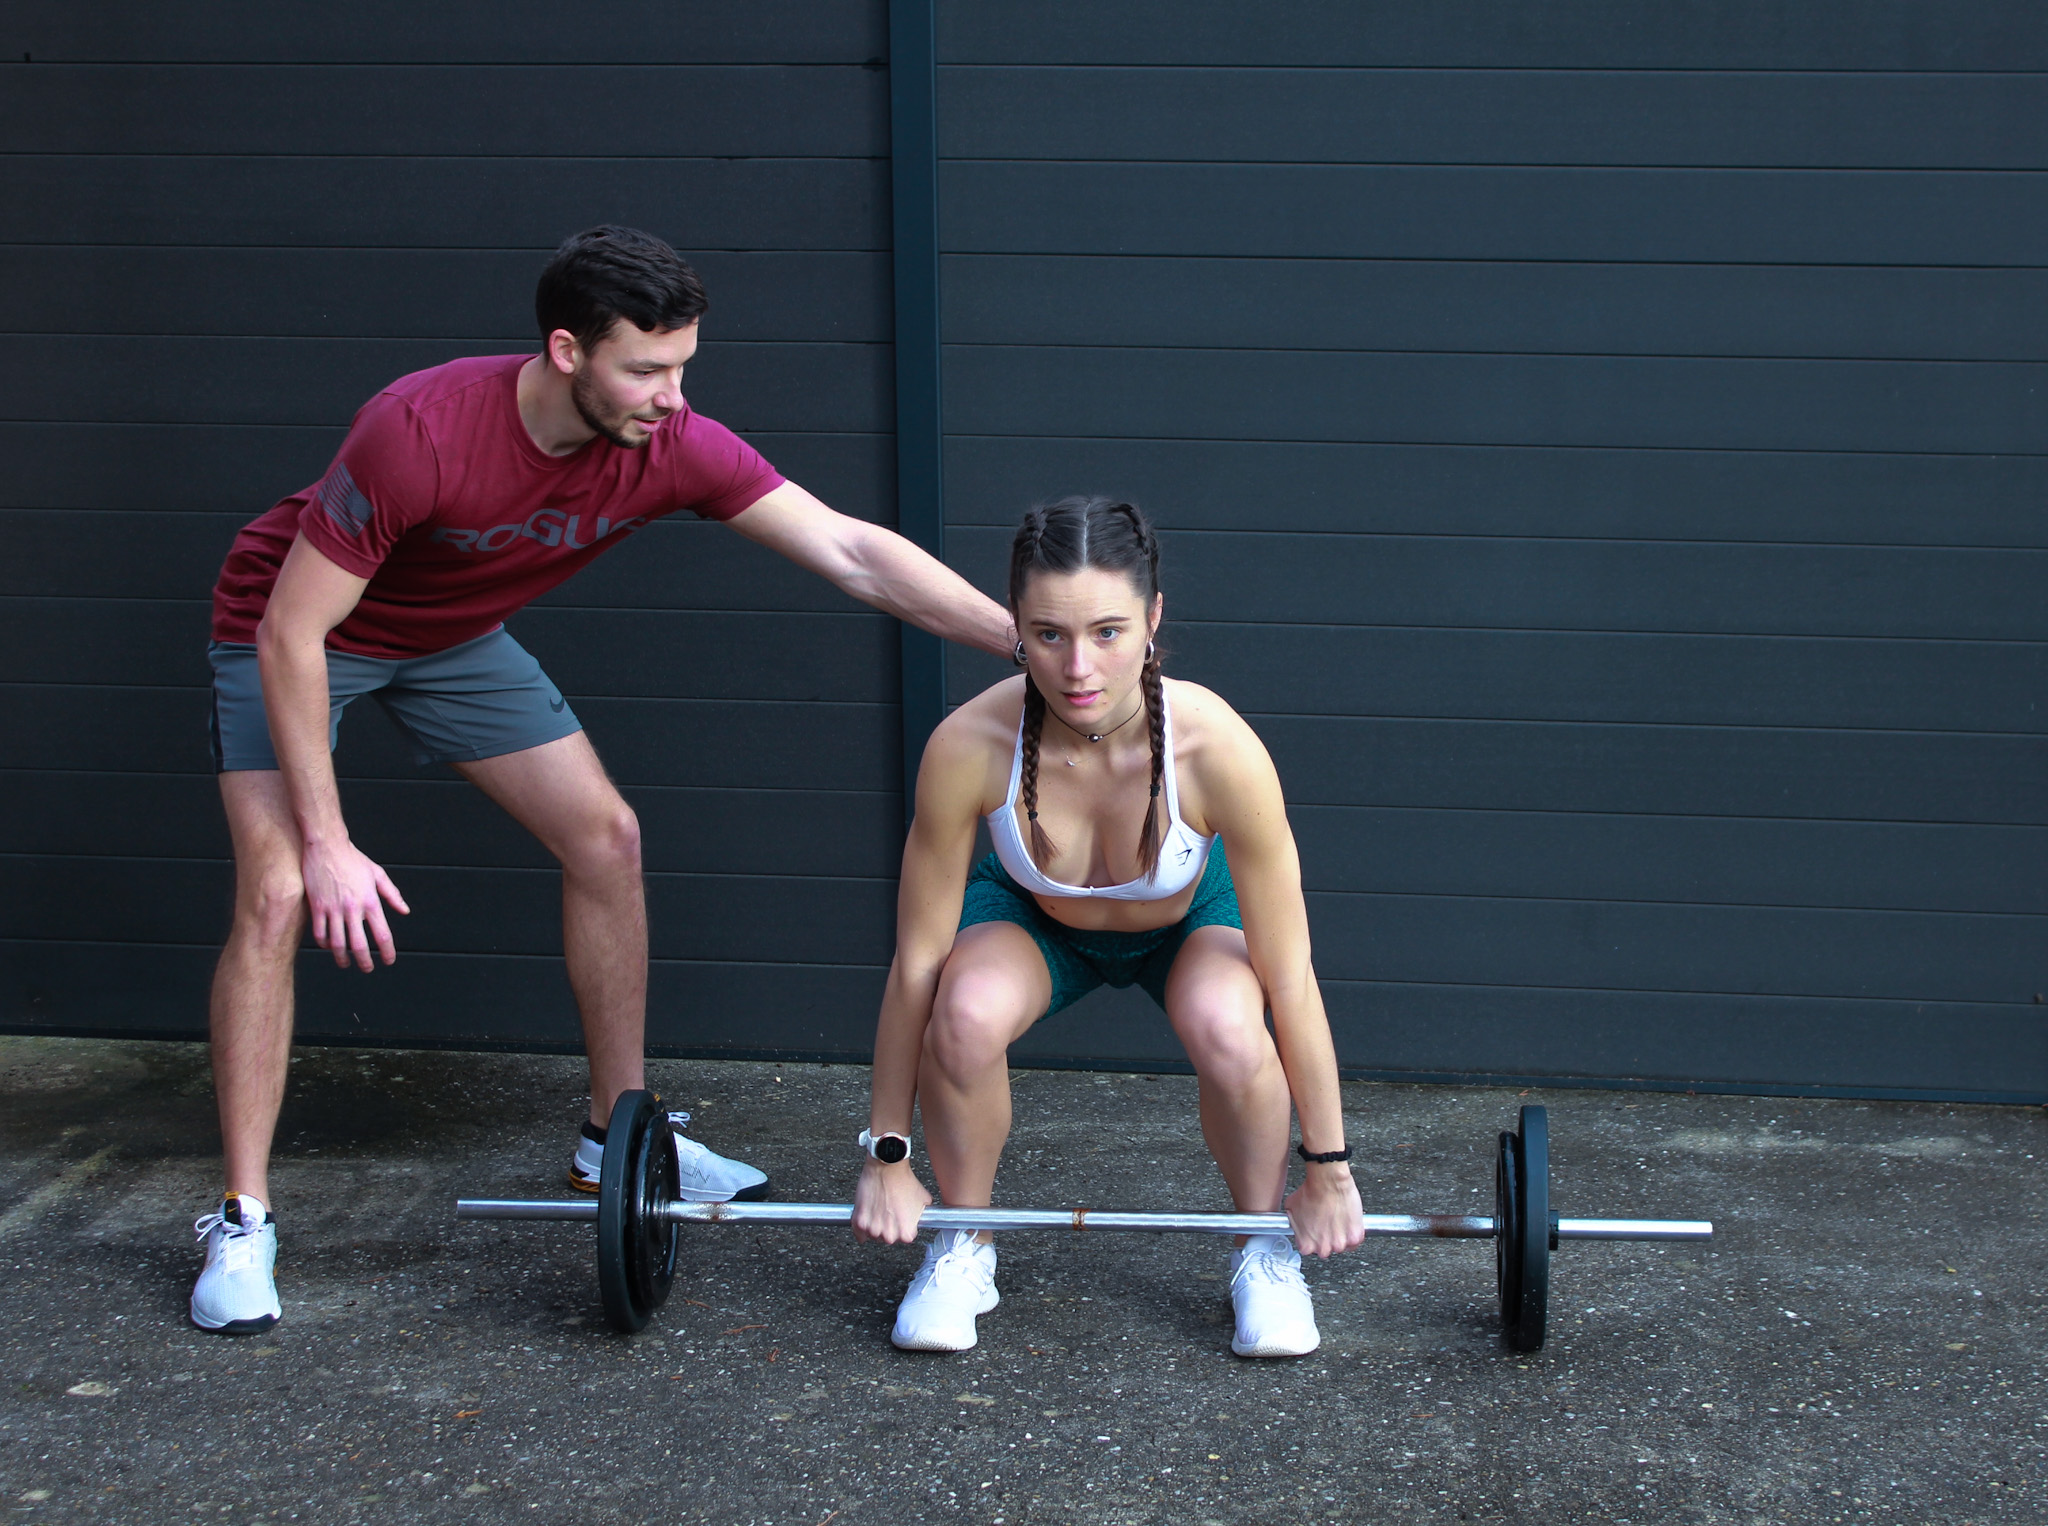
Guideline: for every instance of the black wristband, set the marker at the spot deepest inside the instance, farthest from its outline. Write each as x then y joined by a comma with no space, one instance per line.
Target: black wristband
1324,1157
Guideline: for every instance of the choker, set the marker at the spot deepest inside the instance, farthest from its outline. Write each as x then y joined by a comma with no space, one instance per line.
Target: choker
1096,736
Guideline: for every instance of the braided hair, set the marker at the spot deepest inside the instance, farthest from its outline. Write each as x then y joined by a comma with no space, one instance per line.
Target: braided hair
1066,536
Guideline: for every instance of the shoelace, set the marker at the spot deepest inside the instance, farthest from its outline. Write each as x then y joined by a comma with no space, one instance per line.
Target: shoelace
1264,1266
960,1264
238,1246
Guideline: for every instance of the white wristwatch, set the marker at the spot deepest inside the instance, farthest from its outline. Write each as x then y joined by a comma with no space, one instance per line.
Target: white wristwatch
886,1148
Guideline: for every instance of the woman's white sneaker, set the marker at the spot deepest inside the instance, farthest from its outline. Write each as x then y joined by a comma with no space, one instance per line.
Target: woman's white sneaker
1275,1316
706,1176
956,1284
235,1294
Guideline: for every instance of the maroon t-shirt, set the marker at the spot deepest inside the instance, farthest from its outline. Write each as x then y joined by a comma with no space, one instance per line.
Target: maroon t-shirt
441,499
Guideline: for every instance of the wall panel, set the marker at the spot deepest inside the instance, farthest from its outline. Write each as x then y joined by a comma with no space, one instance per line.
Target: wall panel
229,227
1601,453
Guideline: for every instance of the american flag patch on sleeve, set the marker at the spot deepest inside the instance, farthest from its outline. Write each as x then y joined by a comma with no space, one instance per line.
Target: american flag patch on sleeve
343,501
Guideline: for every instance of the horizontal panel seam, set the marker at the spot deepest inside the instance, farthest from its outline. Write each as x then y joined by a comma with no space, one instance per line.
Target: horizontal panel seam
586,697
541,251
1656,816
342,429
1801,907
422,954
1568,445
524,338
1661,357
463,784
1432,537
550,870
1152,256
1557,70
1490,166
243,156
1494,261
1892,1001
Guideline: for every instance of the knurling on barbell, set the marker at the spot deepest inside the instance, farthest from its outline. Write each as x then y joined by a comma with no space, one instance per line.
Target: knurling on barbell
638,1213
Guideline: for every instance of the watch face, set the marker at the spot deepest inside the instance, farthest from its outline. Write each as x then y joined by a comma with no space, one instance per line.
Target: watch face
889,1149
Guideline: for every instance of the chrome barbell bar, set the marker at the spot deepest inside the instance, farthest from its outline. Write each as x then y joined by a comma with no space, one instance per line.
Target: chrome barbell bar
1432,1226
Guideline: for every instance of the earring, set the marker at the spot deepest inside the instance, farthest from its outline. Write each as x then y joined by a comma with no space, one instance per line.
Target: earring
1018,656
1151,650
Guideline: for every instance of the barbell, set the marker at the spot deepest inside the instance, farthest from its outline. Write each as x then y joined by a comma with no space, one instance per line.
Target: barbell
638,1212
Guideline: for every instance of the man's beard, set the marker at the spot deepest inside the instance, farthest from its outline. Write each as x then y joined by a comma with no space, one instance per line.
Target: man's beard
583,393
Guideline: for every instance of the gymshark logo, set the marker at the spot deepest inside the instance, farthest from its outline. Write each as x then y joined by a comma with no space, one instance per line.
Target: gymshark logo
551,527
556,704
1184,854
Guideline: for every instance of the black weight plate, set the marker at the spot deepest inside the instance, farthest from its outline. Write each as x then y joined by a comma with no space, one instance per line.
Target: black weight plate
620,1212
1532,1180
651,1248
1507,1231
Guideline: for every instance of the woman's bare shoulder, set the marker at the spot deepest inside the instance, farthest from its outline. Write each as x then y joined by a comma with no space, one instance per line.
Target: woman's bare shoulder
1215,744
976,740
990,717
1202,717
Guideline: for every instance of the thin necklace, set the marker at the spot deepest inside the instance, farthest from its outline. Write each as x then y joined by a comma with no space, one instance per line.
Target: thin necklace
1096,736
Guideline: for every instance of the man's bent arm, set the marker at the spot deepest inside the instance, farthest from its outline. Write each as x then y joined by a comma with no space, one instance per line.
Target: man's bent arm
878,567
344,890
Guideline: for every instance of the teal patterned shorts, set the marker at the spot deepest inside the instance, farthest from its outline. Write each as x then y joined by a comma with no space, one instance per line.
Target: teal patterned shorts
1079,960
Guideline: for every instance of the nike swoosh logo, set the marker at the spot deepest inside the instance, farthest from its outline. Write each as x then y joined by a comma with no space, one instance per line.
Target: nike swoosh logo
556,705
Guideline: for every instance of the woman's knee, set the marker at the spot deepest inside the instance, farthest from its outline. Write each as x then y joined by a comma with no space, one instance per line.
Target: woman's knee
1226,1039
974,1019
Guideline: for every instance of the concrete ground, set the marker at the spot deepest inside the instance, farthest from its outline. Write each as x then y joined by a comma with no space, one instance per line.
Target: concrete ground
1863,1342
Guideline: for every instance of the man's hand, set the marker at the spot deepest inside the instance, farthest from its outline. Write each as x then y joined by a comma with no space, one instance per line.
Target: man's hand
346,892
1326,1212
888,1202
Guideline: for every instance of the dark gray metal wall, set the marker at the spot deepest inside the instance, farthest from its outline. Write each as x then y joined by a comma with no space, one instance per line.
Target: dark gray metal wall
1603,454
1602,447
225,226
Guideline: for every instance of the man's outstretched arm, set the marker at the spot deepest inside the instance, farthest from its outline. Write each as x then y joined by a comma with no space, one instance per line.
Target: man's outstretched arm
345,891
878,567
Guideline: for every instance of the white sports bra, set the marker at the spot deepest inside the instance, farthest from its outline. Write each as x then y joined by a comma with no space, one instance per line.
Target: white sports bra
1182,858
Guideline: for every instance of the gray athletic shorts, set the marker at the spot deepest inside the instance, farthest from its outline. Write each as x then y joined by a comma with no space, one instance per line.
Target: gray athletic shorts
481,699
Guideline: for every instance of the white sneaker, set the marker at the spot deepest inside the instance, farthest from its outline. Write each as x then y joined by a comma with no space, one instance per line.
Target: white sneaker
706,1176
956,1283
235,1294
1274,1314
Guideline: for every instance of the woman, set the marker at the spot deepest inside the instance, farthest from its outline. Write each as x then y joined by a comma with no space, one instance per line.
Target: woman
1112,795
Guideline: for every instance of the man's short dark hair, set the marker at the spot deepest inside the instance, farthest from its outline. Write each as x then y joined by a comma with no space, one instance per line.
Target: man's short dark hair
608,273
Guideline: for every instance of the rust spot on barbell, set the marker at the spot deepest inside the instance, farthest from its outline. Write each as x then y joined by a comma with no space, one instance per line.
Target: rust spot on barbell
1080,1218
717,1211
1451,1226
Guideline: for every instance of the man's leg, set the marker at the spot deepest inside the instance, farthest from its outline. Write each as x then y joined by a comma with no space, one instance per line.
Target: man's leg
251,1013
560,792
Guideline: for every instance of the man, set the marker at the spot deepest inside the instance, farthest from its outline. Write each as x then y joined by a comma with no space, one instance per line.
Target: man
461,494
